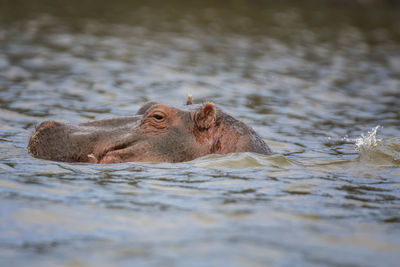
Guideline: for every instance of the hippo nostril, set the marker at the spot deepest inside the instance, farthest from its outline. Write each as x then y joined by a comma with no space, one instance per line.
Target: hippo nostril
47,125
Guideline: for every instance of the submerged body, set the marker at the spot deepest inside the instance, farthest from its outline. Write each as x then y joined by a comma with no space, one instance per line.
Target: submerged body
157,133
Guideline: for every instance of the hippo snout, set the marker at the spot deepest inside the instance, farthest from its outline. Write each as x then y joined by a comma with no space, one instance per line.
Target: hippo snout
85,142
44,131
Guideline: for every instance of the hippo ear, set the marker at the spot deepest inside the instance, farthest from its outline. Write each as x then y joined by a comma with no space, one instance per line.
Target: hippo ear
206,117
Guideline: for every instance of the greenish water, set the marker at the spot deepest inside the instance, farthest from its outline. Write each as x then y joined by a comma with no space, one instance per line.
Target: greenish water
313,79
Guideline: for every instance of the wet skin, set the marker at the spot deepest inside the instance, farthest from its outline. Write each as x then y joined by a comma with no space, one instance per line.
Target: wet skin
157,133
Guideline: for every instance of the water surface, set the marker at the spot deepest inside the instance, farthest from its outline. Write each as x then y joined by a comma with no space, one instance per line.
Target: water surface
314,80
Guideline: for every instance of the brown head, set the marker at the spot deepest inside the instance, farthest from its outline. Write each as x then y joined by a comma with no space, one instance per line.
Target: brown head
157,133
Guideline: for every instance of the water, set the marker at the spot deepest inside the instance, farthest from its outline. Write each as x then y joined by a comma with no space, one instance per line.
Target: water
314,80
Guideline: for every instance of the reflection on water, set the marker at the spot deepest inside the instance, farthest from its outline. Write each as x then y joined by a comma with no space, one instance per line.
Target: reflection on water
312,79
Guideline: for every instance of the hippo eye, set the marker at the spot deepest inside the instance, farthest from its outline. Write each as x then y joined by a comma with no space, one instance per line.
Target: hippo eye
158,117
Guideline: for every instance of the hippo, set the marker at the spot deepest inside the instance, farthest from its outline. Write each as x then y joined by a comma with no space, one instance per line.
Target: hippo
157,133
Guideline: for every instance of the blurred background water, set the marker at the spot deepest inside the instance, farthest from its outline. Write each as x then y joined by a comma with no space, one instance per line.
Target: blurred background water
314,78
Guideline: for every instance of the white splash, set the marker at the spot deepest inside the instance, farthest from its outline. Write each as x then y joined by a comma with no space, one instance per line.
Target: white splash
368,141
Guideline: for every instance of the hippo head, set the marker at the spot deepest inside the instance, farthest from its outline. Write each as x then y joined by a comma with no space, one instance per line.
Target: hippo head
157,133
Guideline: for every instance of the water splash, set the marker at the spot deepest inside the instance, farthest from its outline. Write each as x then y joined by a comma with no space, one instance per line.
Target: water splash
367,142
378,152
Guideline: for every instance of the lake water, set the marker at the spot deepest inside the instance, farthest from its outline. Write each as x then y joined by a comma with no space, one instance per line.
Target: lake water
315,80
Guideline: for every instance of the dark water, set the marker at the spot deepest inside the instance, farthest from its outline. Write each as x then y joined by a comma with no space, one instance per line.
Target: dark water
313,79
